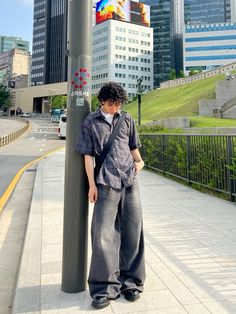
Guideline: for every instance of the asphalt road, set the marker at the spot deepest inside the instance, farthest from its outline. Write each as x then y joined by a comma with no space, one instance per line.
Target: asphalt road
38,141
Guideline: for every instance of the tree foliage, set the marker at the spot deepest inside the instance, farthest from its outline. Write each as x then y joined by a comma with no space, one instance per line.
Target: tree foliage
4,98
59,102
95,103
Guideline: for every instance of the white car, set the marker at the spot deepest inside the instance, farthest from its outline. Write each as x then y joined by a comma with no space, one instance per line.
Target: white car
61,131
24,115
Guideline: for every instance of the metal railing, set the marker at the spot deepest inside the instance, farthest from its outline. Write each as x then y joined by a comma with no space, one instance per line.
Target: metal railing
206,160
5,139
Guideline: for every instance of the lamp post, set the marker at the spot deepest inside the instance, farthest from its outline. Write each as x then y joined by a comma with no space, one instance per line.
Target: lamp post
74,261
139,81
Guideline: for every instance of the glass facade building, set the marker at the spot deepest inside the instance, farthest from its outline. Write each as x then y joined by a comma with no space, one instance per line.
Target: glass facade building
49,60
167,21
8,42
210,11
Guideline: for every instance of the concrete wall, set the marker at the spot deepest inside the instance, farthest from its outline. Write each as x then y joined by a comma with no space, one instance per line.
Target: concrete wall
172,123
226,89
206,107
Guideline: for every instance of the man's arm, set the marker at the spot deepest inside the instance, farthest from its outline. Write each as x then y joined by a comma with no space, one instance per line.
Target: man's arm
89,167
139,163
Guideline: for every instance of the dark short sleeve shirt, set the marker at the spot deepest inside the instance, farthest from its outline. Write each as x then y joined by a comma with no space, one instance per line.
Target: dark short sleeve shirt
118,167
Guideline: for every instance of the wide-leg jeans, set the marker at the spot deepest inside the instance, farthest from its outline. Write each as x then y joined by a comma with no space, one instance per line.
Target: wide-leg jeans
117,262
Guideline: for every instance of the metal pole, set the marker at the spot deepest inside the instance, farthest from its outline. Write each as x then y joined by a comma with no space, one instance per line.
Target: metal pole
139,109
139,81
74,264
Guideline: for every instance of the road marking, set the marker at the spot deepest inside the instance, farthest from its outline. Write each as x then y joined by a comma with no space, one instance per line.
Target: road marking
4,198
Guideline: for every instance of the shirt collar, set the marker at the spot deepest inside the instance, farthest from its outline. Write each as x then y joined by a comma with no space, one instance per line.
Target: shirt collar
98,113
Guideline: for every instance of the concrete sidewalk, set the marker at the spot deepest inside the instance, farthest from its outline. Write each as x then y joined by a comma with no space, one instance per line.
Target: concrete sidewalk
8,126
190,250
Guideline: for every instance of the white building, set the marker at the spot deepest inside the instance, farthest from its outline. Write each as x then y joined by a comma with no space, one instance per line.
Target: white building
208,46
122,52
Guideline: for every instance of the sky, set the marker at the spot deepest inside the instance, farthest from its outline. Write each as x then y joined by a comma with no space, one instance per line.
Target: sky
17,19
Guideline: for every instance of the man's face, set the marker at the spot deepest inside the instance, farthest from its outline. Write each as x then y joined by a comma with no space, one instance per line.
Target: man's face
109,106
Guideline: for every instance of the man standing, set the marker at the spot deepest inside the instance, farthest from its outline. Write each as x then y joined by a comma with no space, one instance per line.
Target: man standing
117,263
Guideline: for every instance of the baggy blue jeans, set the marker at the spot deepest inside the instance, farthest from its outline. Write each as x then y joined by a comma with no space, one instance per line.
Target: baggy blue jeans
117,262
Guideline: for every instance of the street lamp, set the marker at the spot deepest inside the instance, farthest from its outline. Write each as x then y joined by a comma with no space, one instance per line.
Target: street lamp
139,81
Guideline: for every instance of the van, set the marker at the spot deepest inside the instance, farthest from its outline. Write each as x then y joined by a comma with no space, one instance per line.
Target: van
61,132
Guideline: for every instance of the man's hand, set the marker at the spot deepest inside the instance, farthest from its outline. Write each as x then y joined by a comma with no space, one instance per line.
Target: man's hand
138,166
93,194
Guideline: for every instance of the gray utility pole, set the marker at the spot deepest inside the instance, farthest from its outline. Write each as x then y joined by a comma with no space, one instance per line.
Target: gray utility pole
74,264
139,81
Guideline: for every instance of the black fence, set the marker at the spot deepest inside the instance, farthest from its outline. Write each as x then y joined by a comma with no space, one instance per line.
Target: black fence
206,160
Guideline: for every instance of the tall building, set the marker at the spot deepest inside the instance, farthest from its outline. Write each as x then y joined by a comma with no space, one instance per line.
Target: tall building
8,42
208,46
210,11
49,60
167,21
14,62
122,47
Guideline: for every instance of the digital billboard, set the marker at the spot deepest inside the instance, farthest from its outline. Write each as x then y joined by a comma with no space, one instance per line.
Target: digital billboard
104,10
123,10
139,13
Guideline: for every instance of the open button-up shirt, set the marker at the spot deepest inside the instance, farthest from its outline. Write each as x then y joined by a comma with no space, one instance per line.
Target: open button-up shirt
118,167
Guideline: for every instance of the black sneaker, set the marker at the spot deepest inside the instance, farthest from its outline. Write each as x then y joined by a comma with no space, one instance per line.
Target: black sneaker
131,295
100,302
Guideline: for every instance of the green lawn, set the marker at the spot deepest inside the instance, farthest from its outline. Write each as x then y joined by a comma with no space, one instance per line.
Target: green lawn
203,122
180,101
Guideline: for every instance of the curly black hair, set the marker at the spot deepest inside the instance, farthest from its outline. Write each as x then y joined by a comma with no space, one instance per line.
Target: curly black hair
112,91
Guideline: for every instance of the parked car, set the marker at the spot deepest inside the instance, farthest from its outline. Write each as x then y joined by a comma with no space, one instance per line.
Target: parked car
25,115
61,131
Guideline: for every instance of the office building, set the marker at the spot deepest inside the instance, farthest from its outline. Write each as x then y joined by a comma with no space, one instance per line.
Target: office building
167,21
122,48
49,60
211,11
208,46
13,63
9,42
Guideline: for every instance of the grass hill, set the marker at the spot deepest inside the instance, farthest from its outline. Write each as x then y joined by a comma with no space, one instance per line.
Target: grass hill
180,101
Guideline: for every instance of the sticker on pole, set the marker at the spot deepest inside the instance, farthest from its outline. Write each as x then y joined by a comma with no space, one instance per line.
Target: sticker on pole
80,101
80,81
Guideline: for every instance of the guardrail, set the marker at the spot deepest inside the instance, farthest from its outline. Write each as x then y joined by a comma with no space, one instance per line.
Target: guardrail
5,139
205,160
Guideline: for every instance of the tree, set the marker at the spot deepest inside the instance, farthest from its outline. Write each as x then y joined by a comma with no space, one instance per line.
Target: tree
4,98
172,74
59,102
181,74
95,103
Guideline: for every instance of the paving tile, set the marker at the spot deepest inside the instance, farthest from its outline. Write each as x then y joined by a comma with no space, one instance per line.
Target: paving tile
196,309
149,301
222,307
169,310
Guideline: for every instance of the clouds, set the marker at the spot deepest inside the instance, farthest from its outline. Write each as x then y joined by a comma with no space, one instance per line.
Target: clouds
26,2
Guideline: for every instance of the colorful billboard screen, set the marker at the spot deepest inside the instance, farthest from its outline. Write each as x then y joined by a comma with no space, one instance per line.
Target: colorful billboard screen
113,9
123,10
140,13
104,10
